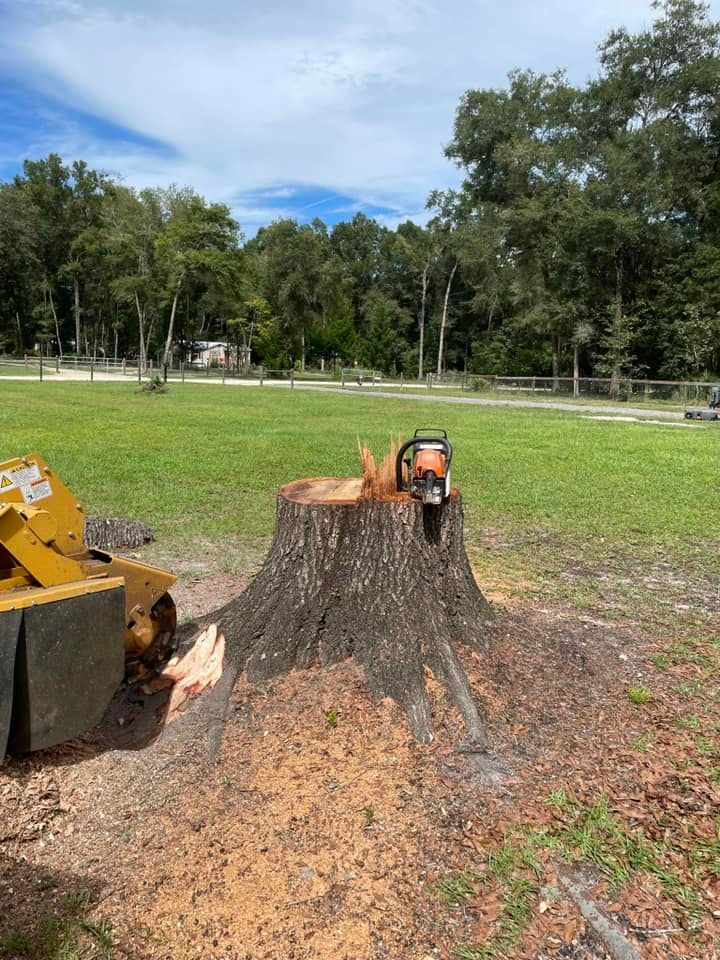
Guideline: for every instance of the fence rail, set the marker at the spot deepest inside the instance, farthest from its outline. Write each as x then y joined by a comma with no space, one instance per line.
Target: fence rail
363,379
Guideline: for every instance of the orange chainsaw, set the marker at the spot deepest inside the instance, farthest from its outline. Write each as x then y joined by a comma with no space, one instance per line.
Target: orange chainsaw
428,467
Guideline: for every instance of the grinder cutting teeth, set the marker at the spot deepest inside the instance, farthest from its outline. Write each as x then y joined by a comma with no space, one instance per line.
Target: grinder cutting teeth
70,615
425,474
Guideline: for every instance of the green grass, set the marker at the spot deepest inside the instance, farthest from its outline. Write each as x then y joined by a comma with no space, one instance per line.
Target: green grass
203,463
639,696
582,833
65,934
20,370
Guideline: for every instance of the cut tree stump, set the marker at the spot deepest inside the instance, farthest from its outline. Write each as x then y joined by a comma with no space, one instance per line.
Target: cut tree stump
385,581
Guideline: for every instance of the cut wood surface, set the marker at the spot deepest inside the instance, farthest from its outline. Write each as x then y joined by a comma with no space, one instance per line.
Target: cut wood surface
323,490
386,581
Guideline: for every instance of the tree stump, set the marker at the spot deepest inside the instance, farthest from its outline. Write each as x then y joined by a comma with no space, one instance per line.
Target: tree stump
386,581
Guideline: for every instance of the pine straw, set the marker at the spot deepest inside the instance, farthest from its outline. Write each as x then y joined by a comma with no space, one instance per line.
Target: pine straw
378,482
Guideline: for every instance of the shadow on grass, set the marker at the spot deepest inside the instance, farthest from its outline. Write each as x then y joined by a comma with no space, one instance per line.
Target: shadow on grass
45,915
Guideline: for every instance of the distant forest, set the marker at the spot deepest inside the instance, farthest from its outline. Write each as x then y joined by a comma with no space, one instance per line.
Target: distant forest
585,236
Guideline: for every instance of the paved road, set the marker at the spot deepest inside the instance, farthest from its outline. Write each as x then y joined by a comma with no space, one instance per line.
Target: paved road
434,396
514,402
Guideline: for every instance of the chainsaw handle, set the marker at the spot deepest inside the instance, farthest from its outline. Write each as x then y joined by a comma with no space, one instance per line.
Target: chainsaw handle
416,441
430,433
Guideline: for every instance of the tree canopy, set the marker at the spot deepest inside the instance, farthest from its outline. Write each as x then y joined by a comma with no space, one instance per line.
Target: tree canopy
585,233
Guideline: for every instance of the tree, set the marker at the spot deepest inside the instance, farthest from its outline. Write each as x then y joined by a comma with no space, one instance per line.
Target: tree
293,272
133,224
20,265
196,244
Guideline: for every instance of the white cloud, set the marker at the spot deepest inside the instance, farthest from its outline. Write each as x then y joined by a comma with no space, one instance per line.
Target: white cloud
356,98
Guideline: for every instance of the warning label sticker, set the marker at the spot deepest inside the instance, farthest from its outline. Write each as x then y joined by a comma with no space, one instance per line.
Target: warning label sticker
24,475
28,479
39,489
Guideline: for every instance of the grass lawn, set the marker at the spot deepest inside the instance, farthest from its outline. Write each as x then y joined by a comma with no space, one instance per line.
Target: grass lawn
20,370
612,726
203,463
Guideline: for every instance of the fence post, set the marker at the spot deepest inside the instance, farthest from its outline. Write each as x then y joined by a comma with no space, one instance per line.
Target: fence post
292,379
57,364
26,362
401,380
342,378
223,373
41,362
165,372
92,368
261,374
182,371
124,366
208,369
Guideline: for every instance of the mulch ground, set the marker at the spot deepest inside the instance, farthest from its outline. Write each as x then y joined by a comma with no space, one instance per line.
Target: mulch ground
321,829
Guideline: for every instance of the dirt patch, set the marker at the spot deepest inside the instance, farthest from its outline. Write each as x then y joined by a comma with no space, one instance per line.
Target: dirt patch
322,828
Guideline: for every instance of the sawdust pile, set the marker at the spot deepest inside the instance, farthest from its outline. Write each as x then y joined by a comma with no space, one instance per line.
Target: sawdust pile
379,481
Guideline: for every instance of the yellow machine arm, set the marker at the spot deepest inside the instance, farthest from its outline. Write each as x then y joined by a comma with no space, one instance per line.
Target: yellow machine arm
42,545
66,611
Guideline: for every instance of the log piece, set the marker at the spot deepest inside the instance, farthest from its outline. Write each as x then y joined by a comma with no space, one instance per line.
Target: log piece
116,533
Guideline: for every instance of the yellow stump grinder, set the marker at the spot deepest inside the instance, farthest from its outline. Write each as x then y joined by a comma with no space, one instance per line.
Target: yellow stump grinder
70,615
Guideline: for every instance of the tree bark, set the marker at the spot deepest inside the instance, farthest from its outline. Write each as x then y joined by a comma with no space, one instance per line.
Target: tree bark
443,322
116,533
421,320
385,581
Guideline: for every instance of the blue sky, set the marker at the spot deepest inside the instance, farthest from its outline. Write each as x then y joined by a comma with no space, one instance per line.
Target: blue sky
277,107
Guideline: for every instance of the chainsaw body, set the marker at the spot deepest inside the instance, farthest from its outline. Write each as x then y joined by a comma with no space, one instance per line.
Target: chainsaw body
70,616
425,474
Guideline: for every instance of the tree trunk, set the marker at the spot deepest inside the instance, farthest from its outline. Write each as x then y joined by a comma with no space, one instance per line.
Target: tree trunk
556,362
141,331
76,310
617,323
385,581
421,321
167,355
443,322
576,369
57,324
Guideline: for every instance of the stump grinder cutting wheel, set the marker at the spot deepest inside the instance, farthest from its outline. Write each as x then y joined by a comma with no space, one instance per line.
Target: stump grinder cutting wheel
70,615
